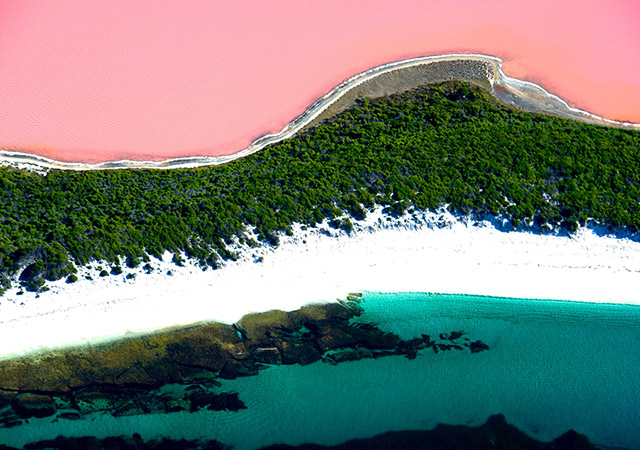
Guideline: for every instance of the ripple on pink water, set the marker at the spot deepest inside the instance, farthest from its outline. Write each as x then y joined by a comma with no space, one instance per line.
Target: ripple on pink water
101,80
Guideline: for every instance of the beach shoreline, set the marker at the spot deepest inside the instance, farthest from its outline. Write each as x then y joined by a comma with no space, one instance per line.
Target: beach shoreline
522,95
432,252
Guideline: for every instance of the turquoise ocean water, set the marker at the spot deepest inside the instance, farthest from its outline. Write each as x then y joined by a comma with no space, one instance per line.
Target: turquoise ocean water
551,366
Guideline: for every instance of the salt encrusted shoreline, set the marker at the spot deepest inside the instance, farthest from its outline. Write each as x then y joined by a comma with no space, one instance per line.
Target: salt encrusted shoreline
520,94
432,252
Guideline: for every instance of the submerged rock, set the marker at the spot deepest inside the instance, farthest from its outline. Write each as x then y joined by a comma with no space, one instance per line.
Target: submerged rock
216,402
71,414
478,346
88,402
33,405
130,408
134,442
347,354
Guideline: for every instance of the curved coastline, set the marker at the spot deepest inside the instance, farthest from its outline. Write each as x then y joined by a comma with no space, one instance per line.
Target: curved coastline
520,94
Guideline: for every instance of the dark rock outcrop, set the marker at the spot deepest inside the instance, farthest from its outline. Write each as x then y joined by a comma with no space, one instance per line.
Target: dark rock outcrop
33,405
124,377
496,434
267,355
302,353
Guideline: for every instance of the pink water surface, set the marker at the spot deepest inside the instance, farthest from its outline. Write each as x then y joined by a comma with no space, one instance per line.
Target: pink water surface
105,80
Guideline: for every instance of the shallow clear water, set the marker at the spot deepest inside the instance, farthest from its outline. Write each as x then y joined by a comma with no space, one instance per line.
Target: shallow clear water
551,366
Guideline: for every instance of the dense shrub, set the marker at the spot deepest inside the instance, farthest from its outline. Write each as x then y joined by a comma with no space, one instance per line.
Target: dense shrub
448,144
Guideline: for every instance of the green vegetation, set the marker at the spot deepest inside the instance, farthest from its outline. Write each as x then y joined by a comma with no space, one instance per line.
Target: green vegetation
177,260
446,144
72,278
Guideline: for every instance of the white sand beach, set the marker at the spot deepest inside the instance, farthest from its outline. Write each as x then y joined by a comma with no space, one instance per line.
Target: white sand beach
433,253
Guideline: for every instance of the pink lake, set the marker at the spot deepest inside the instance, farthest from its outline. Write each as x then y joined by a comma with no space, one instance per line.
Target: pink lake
99,80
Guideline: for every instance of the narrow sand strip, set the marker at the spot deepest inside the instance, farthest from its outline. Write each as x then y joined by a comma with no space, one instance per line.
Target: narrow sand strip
436,253
521,94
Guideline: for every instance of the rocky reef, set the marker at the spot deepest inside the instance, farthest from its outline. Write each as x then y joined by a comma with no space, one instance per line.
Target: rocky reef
178,370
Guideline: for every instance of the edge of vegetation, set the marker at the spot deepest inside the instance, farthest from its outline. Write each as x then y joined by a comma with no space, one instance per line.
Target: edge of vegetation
446,144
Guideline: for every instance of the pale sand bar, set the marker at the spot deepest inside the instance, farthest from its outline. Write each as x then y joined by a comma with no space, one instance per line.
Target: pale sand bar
436,253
